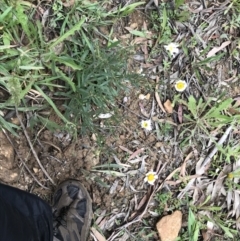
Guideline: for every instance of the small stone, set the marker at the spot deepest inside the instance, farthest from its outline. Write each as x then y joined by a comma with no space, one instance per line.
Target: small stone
169,226
9,176
9,171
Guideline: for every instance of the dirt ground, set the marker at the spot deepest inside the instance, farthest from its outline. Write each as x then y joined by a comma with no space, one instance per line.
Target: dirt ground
114,197
64,158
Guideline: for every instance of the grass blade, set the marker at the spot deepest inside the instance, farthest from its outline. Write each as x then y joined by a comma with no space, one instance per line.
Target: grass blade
68,33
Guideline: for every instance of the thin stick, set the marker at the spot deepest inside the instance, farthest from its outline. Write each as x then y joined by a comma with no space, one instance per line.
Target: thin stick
23,162
33,151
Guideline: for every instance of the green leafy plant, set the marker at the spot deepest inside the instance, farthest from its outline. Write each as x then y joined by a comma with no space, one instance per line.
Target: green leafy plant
63,62
163,199
216,216
205,116
165,14
233,21
161,23
193,226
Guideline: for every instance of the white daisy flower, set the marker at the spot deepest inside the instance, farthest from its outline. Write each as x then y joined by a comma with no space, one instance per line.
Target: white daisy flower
151,177
146,124
172,48
180,85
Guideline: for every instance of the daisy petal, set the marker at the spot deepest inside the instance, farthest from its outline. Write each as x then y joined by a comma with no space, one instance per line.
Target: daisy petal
180,85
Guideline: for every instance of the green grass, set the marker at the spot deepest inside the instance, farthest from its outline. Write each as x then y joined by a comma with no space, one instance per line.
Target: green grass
200,119
62,63
203,117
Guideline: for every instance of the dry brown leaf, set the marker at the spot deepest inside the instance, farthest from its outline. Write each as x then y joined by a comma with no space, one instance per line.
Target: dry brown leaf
183,167
133,25
125,149
135,153
139,40
97,234
180,180
143,201
147,65
102,223
206,235
142,97
129,29
168,106
233,111
173,173
180,114
173,183
158,167
157,96
217,49
166,120
125,36
101,216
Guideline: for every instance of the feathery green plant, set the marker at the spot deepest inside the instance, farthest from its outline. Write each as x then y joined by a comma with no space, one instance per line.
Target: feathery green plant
61,59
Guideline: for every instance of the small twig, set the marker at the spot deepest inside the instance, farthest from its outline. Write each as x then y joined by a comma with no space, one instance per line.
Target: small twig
23,162
174,153
51,144
52,157
32,149
153,107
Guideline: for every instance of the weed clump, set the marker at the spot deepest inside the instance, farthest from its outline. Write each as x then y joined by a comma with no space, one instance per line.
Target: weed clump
52,57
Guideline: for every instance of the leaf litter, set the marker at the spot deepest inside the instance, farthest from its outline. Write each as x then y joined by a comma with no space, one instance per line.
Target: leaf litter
121,199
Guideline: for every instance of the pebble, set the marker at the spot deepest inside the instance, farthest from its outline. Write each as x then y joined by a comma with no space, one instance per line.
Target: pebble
169,226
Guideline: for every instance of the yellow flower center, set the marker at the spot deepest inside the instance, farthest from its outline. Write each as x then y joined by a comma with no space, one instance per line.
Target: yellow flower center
230,175
180,85
171,48
145,124
151,177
